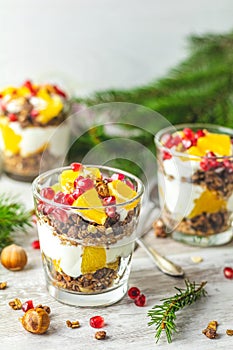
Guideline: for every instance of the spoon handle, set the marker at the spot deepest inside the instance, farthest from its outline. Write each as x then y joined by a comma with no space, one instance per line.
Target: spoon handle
165,265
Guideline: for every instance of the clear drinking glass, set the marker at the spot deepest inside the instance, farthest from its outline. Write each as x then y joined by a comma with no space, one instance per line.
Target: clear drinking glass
86,263
196,191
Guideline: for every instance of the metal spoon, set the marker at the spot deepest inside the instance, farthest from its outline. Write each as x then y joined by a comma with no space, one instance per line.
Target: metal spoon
164,264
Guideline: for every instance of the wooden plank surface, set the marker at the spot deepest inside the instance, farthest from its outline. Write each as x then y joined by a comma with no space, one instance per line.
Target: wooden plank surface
126,324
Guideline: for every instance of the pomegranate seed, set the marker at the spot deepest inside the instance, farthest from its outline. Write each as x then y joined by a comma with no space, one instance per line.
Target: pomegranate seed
167,140
76,166
28,84
77,193
68,199
97,321
211,155
176,140
199,133
59,197
27,305
204,164
34,113
60,215
47,192
1,95
111,211
228,272
166,155
59,91
140,300
48,209
109,200
188,133
12,117
84,183
130,184
36,244
133,292
118,177
227,163
187,143
40,207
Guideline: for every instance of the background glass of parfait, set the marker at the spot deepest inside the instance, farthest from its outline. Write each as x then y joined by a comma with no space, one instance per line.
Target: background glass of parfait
87,231
29,116
195,182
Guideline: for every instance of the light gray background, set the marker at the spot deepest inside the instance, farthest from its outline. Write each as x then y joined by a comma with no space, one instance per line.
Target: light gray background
89,45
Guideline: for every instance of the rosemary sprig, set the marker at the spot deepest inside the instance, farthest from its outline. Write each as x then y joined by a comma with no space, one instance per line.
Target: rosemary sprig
13,216
163,316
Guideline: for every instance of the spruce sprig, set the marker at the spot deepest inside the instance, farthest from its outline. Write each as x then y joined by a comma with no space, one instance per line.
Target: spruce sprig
13,217
164,316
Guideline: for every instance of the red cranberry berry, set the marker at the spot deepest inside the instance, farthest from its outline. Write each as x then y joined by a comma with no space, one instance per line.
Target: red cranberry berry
166,155
133,292
109,200
77,192
76,166
140,300
228,272
111,211
97,321
118,177
36,244
83,183
47,192
27,305
12,117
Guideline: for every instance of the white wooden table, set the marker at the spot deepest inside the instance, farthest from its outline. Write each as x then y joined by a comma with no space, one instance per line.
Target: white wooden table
126,324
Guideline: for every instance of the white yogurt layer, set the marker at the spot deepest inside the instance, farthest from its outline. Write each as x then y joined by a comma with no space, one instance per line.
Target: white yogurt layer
179,168
179,197
69,256
35,138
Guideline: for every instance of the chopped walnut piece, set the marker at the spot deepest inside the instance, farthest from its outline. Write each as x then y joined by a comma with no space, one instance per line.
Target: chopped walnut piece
15,304
210,331
100,335
3,285
229,332
45,307
74,324
159,228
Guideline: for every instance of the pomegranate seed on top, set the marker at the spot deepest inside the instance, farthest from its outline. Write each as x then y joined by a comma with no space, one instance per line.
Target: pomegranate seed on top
47,192
199,133
140,300
110,211
109,200
118,177
77,192
59,91
188,133
228,272
97,321
133,292
187,143
68,199
34,113
167,140
83,183
76,166
28,84
36,244
59,197
27,305
211,154
12,117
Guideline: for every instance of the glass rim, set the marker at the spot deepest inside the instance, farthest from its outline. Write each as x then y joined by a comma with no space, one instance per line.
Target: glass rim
51,172
176,127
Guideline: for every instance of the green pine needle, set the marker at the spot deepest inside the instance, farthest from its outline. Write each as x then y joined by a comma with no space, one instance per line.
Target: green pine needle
13,217
163,316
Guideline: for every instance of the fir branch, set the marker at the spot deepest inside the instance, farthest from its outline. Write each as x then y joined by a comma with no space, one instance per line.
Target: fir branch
13,217
164,316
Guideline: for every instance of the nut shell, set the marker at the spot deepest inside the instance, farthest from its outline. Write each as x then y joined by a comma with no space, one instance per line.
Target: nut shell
36,321
13,257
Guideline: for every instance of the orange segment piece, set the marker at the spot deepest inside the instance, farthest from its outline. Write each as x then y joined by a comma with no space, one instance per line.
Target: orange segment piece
10,138
90,199
123,193
208,202
218,143
67,178
93,259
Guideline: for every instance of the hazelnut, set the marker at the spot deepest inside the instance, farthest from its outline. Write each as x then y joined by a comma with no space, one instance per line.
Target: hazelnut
36,321
13,257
